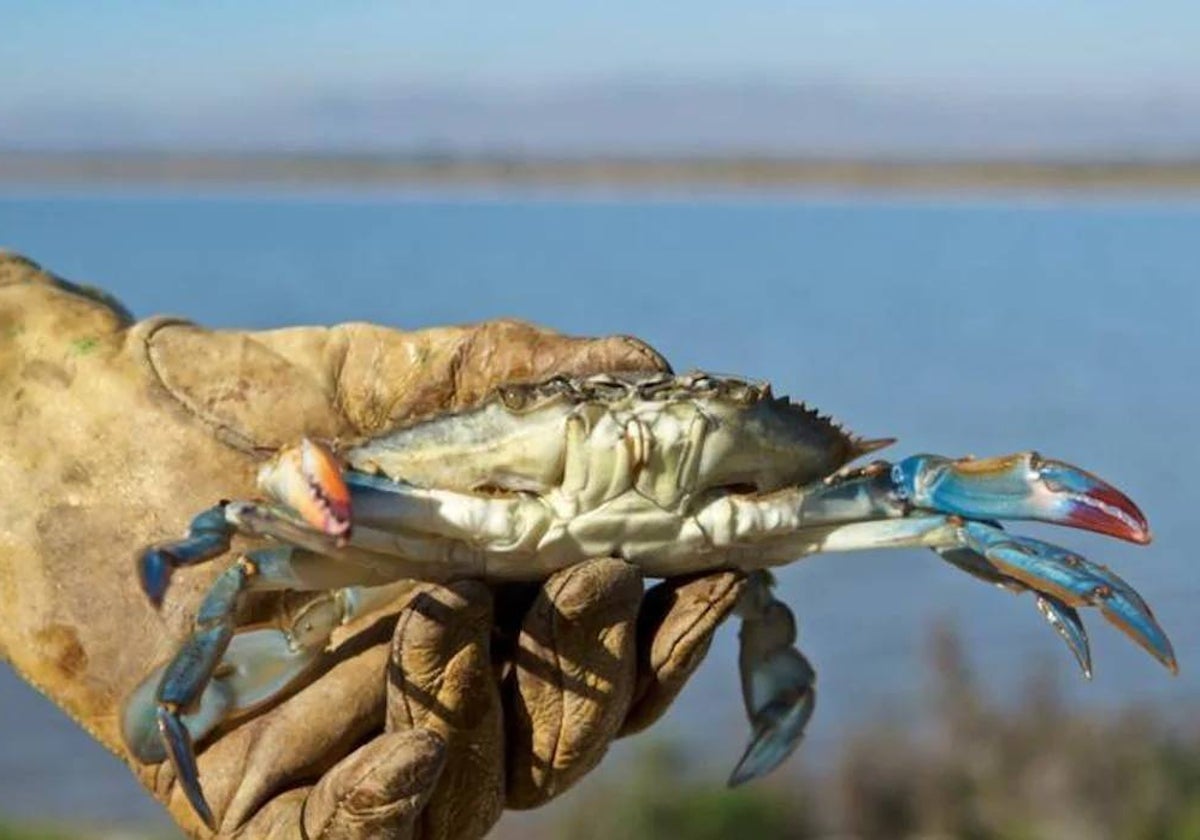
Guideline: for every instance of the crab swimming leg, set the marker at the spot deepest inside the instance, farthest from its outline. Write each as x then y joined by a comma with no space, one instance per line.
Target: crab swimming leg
778,683
216,673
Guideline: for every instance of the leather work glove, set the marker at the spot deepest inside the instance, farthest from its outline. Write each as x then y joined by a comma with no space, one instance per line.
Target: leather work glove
428,718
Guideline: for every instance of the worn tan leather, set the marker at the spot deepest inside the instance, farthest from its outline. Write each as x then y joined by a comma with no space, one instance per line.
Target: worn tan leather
115,432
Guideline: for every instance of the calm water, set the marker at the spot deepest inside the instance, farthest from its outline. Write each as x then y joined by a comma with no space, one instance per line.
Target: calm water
958,327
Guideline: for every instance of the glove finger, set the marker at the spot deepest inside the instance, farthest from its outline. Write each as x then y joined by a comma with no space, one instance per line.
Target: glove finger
572,679
441,680
356,379
675,629
377,377
375,793
301,737
16,269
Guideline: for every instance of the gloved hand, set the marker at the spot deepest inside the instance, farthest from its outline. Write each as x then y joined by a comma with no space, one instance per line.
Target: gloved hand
475,698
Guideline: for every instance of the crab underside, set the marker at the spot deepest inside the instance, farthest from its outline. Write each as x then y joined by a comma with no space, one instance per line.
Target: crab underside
677,474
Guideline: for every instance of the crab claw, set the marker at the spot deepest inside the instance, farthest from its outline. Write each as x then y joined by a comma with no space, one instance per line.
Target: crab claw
1064,619
1020,486
1072,581
308,479
778,683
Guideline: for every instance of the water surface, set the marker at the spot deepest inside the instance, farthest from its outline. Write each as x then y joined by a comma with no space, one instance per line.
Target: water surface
959,327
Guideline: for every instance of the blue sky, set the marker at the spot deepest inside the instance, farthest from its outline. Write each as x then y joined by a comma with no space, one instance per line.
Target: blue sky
130,49
155,60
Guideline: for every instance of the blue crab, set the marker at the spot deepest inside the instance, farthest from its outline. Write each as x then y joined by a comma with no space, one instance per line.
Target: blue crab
677,474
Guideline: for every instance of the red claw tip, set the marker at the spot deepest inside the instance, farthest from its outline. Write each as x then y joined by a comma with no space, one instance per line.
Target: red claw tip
1109,511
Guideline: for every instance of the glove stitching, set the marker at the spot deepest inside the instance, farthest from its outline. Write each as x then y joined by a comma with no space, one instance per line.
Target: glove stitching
454,368
222,432
338,398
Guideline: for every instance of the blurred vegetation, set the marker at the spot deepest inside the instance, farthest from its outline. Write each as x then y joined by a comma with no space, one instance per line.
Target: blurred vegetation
445,168
34,832
977,771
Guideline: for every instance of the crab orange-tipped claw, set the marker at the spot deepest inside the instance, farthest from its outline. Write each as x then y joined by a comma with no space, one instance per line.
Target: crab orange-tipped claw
1021,486
308,479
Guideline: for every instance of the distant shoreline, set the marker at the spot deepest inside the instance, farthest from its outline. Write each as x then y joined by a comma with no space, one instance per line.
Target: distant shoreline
24,169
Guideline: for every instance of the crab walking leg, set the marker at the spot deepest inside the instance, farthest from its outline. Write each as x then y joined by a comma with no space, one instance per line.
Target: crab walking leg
778,683
263,664
1022,486
509,523
1019,486
384,555
208,536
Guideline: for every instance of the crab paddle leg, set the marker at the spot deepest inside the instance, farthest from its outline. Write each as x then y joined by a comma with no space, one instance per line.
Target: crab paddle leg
256,667
778,683
265,662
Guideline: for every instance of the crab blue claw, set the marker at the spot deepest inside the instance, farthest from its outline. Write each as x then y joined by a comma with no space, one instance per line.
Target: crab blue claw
785,690
1066,622
1073,581
1064,619
1021,486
